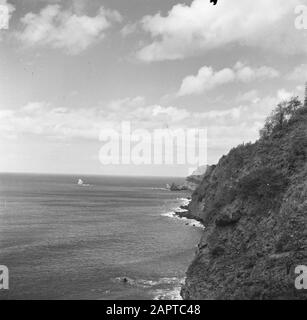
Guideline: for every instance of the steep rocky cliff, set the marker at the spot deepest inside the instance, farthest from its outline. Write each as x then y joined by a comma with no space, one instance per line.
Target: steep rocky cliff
253,204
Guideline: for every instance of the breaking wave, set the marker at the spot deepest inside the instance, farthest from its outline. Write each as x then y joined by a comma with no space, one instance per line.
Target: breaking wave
159,290
174,214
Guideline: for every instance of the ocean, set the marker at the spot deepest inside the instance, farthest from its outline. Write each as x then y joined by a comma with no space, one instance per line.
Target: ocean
111,238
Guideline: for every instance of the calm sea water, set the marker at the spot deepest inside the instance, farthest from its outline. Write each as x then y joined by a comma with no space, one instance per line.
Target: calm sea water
64,241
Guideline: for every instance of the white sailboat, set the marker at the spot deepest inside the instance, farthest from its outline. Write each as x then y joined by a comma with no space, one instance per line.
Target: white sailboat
82,184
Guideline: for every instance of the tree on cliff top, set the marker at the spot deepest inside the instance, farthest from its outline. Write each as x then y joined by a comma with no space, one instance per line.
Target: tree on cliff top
281,116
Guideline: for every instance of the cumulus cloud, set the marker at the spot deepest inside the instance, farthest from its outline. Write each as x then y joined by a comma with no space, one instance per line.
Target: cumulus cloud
190,29
298,74
207,79
129,29
284,94
251,96
65,29
67,123
226,127
247,74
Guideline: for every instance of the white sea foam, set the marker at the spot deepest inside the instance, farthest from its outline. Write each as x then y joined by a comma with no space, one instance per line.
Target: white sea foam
185,201
170,214
147,283
157,292
163,189
180,210
173,214
172,294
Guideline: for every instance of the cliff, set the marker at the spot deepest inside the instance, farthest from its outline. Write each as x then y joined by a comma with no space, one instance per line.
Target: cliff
253,204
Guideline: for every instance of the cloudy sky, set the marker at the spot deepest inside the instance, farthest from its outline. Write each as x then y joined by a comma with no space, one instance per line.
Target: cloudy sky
71,68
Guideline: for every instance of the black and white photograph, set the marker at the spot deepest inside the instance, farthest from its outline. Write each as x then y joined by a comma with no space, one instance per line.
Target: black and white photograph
153,150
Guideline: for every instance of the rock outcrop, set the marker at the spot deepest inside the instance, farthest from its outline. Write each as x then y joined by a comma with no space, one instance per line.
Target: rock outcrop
192,182
253,204
178,187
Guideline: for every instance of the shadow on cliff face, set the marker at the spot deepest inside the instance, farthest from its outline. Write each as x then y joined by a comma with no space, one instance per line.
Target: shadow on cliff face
253,204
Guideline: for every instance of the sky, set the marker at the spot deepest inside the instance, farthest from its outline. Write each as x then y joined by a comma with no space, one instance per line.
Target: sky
69,69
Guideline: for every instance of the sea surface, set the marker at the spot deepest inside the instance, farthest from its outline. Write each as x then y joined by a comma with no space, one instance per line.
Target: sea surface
112,238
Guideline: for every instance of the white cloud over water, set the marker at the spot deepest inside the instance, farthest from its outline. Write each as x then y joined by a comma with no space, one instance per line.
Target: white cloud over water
226,127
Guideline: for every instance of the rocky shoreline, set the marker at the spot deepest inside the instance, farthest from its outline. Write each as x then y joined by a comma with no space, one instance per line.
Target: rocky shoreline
182,213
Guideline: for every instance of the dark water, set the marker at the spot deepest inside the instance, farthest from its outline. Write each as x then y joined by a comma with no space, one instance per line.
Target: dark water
64,241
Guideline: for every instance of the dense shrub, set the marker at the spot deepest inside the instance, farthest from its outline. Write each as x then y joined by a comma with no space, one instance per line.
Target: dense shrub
238,155
262,184
297,155
224,196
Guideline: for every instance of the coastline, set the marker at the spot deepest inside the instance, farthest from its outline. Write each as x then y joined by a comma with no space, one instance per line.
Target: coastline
180,213
183,214
166,288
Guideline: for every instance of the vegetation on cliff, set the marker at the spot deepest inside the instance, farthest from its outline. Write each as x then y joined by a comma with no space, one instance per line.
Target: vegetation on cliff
254,205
